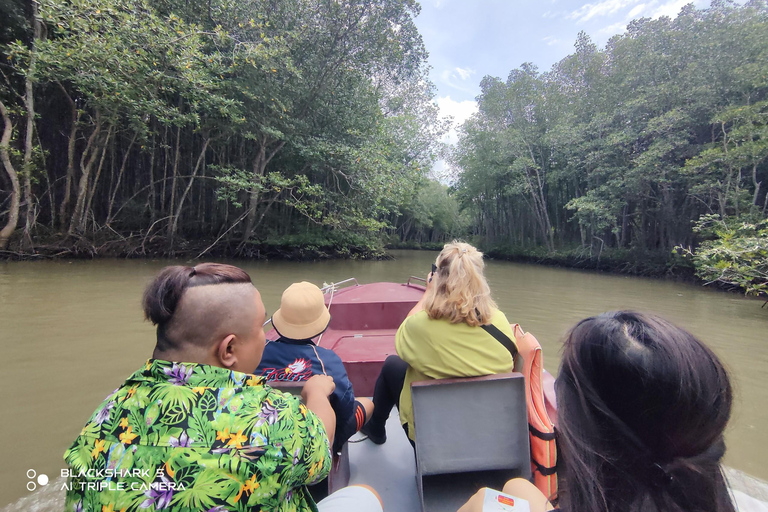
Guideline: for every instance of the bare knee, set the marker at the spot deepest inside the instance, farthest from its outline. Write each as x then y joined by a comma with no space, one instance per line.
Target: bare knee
524,489
367,404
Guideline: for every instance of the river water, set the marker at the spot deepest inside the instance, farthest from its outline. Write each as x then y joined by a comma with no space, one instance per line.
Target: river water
71,332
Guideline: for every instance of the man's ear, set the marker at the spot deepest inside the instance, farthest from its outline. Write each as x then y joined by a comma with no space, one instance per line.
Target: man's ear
225,351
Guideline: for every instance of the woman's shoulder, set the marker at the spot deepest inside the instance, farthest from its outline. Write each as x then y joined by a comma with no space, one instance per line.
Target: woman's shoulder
416,321
499,319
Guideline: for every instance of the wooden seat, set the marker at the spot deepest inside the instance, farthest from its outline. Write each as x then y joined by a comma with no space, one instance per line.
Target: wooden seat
470,432
339,475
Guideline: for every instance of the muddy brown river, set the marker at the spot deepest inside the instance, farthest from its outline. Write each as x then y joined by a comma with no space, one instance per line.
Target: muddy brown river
71,332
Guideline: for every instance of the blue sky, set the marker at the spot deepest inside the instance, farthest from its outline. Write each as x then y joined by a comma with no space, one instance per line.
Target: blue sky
469,39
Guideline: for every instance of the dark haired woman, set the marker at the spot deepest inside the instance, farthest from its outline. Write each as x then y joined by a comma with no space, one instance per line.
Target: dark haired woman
642,405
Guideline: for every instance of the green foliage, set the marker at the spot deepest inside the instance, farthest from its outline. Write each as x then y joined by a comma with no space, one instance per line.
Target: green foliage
619,150
430,217
229,119
736,256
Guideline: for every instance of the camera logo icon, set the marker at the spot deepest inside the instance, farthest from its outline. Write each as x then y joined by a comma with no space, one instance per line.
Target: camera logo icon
42,479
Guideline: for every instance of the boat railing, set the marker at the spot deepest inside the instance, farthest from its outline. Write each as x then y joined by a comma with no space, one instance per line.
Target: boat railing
408,283
335,286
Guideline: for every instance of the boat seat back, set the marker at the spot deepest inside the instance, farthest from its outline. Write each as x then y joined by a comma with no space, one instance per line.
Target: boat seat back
476,426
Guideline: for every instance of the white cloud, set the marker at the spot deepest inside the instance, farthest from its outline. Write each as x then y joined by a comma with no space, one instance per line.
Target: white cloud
459,110
671,9
653,9
614,28
456,78
457,74
441,172
548,15
588,11
550,40
636,11
465,73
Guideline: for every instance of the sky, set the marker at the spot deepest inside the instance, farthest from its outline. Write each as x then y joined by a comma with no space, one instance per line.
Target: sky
470,39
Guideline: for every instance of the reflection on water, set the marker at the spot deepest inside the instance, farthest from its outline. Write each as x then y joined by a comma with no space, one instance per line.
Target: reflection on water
71,332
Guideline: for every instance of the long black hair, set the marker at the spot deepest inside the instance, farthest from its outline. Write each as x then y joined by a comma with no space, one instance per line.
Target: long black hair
642,407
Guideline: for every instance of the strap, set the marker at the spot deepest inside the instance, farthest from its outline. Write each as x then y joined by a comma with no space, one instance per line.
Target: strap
544,470
546,436
501,338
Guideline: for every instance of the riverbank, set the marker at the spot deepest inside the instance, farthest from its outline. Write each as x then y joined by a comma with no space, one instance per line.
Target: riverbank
330,246
139,245
615,261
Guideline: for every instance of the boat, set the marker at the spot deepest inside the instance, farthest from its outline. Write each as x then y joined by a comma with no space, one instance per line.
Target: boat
364,321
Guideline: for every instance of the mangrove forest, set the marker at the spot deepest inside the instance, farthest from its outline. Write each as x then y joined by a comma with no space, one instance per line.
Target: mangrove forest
308,128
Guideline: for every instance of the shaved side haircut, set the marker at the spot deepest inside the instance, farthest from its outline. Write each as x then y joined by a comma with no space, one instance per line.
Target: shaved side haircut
163,295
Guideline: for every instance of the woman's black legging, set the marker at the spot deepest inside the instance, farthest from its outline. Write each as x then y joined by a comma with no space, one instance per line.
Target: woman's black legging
389,384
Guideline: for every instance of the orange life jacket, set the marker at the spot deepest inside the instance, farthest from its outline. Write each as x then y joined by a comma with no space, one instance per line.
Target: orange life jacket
539,394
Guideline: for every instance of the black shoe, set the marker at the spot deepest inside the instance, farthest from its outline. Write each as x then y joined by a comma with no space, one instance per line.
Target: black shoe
376,437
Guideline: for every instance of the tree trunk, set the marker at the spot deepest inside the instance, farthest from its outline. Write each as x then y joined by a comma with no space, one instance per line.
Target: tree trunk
119,178
253,199
259,166
89,153
92,190
175,220
71,144
756,183
165,171
13,213
29,104
151,196
176,158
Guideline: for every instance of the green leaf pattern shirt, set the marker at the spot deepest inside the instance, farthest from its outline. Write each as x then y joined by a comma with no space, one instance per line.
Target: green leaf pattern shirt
193,437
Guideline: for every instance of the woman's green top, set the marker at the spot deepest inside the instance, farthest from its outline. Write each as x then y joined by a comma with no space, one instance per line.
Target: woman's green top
438,349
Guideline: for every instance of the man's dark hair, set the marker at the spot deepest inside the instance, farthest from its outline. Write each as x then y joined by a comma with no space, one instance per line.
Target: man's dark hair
163,294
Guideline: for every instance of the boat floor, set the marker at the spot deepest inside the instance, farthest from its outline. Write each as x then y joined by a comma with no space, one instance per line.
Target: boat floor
390,468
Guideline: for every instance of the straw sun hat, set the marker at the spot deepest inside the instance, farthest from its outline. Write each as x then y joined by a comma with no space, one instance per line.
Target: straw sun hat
302,314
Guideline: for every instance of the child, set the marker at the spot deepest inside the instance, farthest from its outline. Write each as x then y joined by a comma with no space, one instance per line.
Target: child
295,358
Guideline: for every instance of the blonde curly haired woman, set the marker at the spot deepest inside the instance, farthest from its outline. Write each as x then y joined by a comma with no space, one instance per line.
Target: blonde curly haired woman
453,331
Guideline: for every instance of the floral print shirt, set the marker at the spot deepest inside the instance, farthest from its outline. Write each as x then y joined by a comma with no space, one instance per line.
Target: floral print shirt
192,437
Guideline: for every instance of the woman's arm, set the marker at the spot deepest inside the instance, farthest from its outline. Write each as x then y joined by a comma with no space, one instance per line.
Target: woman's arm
420,305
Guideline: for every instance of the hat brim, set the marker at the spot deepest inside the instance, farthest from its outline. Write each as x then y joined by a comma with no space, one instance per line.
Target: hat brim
300,331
